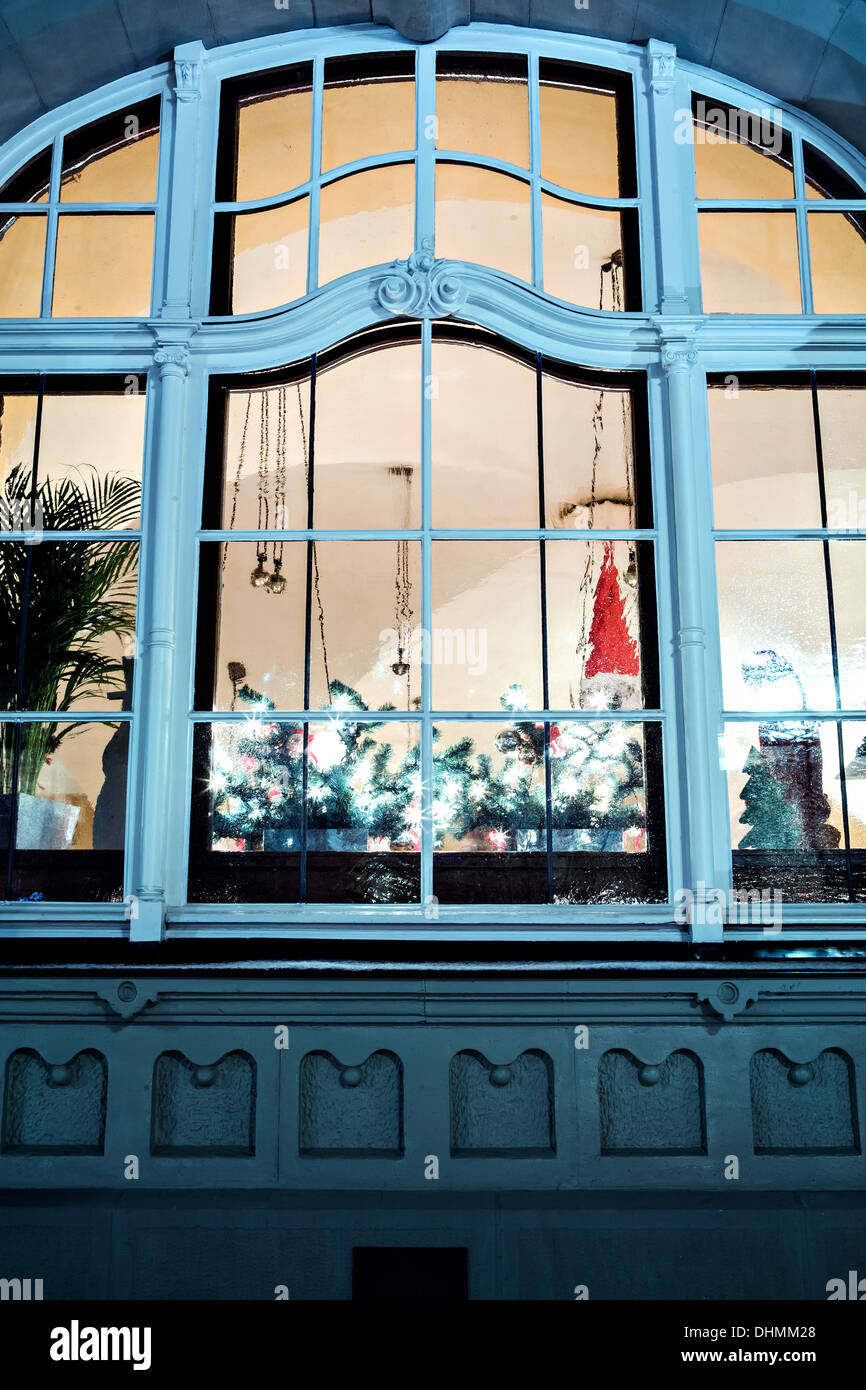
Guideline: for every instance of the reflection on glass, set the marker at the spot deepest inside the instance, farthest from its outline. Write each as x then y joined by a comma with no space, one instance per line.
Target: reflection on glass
483,216
593,628
482,107
740,154
71,795
589,466
113,160
260,629
847,559
368,441
103,266
583,253
269,256
264,481
774,625
486,628
578,136
273,144
842,411
837,248
484,438
368,107
363,811
22,260
80,620
749,263
30,183
765,467
367,639
824,178
366,219
13,564
785,809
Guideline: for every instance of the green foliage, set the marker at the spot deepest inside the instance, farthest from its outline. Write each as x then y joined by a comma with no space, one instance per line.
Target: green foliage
772,819
79,593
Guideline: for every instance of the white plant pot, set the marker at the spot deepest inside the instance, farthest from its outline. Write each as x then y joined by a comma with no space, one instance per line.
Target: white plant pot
42,824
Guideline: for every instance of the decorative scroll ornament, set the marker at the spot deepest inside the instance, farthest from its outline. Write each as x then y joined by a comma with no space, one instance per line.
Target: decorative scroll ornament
186,80
172,359
728,999
662,63
422,286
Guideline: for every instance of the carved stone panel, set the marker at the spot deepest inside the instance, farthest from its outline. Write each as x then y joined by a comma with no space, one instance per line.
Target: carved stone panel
651,1107
351,1111
55,1107
204,1110
803,1107
500,1109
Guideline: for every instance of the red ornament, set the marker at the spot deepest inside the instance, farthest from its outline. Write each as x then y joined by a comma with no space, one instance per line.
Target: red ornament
558,747
248,761
614,650
274,794
498,839
240,843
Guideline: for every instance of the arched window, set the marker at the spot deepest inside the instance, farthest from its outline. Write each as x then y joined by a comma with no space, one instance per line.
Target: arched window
488,418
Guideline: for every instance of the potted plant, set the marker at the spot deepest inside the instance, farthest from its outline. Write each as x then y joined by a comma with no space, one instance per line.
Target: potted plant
59,601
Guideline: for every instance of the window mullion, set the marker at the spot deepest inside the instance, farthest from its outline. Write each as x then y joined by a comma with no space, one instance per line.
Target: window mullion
427,827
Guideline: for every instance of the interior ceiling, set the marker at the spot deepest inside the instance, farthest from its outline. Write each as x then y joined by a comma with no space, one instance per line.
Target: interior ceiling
808,52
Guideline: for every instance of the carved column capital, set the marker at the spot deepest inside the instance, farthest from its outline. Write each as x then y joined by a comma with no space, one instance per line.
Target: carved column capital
172,359
187,79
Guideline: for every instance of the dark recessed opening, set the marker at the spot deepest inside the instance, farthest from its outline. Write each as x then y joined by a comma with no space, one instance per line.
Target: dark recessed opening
410,1274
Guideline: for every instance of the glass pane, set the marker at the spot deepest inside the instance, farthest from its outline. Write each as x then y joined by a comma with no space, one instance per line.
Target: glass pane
484,438
593,623
114,160
837,247
583,254
749,263
854,757
103,266
29,184
842,412
368,441
363,811
80,624
824,178
606,795
481,106
90,458
259,632
14,560
366,624
765,466
579,138
486,628
589,465
367,219
489,800
17,440
22,261
273,144
483,216
368,107
785,809
847,562
269,256
264,477
71,796
246,810
740,154
774,625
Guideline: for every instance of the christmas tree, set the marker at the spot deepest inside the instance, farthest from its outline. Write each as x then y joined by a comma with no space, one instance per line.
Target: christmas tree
355,783
611,677
773,821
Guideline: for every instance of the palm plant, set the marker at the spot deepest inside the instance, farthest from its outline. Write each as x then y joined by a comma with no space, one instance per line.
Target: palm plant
77,594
